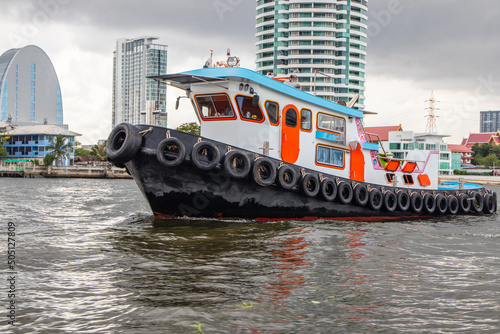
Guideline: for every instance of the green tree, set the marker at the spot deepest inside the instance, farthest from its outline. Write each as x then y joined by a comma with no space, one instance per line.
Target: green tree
3,151
192,128
484,150
490,161
60,148
98,151
80,151
48,159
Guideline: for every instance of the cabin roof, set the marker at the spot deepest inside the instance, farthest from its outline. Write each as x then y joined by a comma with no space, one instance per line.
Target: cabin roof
181,80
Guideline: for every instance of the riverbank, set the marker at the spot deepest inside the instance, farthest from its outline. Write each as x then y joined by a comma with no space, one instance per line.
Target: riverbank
86,172
478,179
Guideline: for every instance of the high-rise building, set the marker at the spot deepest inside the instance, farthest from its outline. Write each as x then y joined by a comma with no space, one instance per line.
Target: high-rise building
29,88
490,121
321,42
133,61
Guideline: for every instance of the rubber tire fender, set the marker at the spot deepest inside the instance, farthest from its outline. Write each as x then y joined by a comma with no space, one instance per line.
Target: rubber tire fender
344,193
198,150
390,201
237,164
123,143
453,205
478,203
403,201
287,177
165,144
464,203
441,204
361,194
489,204
429,203
375,199
416,203
264,171
309,185
328,189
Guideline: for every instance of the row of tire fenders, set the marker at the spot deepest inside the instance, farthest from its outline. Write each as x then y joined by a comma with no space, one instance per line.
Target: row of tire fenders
171,152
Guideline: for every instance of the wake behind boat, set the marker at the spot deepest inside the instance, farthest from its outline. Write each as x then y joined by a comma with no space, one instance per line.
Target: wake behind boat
268,150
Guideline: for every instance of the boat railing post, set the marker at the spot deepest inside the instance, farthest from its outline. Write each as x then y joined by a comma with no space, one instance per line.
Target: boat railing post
461,183
265,148
395,181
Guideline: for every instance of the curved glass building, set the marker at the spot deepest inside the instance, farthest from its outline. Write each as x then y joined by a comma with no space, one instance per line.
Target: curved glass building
321,42
29,88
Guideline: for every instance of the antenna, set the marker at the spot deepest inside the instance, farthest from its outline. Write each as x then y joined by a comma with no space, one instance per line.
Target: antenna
431,116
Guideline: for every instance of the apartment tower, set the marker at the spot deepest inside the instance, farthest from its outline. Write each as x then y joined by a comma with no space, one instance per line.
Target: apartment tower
320,42
137,99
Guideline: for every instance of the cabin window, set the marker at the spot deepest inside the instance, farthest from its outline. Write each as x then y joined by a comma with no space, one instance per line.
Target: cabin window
248,110
291,118
273,109
214,106
305,119
331,123
329,156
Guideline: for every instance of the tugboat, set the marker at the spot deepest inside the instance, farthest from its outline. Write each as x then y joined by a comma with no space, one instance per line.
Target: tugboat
269,151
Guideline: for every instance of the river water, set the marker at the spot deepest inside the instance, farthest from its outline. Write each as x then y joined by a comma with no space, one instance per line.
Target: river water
89,258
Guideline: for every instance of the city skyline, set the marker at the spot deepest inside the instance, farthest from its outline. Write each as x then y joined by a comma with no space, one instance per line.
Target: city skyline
413,48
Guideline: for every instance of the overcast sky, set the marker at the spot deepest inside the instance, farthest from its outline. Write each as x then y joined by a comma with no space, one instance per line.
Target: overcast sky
451,47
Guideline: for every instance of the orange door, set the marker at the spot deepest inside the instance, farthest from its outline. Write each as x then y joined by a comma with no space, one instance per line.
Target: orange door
357,164
290,134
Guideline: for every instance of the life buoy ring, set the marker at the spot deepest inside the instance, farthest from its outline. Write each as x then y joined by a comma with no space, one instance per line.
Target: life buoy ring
477,202
328,189
237,164
403,200
441,204
344,192
310,185
287,177
453,205
390,201
429,203
361,194
171,152
464,203
205,155
264,171
489,204
375,200
123,143
416,203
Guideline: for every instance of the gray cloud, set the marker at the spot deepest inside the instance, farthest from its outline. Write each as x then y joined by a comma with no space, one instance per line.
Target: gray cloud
441,43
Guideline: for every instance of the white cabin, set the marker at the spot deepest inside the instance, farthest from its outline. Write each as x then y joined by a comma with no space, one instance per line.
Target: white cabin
244,109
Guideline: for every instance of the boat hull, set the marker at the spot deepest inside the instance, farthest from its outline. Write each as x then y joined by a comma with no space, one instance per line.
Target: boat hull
186,190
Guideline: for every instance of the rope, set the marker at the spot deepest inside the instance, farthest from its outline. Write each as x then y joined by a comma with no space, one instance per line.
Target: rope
145,132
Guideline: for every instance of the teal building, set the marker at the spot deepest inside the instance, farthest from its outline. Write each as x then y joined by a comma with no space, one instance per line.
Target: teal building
322,43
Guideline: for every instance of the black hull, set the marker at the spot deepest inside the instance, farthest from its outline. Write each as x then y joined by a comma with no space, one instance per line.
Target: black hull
185,190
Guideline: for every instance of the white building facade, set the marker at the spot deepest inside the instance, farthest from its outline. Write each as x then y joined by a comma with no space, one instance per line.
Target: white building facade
416,146
133,61
321,42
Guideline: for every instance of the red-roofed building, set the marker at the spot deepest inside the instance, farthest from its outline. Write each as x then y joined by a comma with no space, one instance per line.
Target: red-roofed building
492,138
464,151
383,131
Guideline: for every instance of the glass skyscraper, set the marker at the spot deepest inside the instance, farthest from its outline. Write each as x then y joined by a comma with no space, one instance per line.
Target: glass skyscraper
490,121
29,88
133,61
321,42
